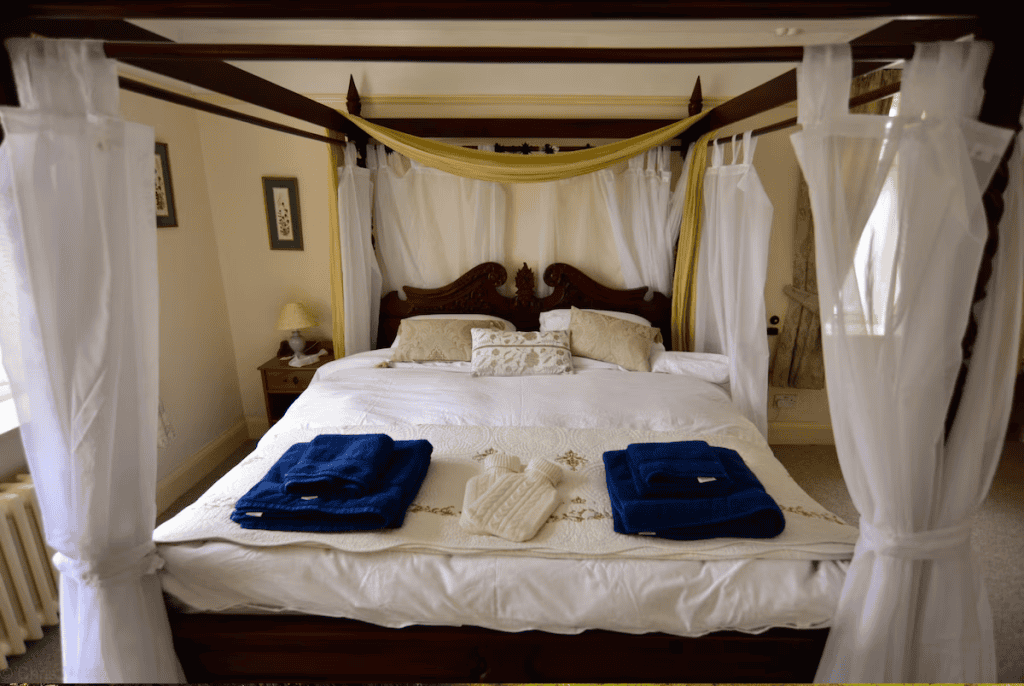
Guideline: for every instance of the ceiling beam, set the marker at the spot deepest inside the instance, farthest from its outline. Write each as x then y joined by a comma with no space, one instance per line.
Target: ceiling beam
511,10
497,55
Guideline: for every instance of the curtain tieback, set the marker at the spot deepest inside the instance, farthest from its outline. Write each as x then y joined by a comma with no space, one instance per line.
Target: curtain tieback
920,545
136,562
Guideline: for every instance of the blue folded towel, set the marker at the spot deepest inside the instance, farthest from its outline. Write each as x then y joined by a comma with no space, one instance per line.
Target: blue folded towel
677,469
747,512
337,464
383,508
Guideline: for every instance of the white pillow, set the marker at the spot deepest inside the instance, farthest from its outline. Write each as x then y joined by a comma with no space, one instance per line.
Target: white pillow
526,353
558,320
705,366
509,326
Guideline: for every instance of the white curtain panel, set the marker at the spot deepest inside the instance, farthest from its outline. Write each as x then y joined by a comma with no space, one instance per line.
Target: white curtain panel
645,215
361,277
618,225
431,225
913,608
78,211
731,271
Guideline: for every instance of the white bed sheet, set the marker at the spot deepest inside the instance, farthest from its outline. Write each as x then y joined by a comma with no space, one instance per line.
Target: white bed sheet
395,589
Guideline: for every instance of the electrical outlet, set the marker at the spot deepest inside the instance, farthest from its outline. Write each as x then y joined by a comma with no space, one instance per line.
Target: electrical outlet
785,401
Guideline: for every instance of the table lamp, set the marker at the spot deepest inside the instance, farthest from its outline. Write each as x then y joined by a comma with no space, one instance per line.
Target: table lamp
295,316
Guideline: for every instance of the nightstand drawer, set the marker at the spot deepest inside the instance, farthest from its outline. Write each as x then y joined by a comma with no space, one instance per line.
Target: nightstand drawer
288,380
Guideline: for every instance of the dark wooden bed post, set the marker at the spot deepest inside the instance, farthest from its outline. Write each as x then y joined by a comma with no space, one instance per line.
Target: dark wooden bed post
696,100
355,106
1004,95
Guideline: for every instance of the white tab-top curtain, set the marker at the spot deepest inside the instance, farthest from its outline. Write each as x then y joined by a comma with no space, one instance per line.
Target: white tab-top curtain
78,214
645,215
431,225
361,277
913,608
731,272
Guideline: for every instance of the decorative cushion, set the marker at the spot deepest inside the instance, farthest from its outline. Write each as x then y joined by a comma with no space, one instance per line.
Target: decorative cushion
510,353
508,326
448,340
611,339
554,320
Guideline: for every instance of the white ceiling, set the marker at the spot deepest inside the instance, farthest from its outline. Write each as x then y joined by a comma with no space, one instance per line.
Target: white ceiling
387,85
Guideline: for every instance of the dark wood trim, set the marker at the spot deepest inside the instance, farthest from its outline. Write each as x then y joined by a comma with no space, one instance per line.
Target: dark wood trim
696,105
178,99
213,75
475,54
289,648
516,9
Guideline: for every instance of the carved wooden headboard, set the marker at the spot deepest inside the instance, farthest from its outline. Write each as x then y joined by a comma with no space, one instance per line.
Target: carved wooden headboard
476,292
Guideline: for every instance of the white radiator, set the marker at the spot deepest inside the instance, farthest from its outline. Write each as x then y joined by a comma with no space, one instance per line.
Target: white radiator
28,592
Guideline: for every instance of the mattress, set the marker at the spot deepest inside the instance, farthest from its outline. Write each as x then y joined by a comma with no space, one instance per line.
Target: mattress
575,575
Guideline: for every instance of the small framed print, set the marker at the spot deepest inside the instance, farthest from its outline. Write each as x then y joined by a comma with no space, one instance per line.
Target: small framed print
165,212
281,196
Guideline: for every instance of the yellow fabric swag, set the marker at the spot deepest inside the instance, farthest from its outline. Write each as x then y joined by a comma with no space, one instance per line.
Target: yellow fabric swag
506,167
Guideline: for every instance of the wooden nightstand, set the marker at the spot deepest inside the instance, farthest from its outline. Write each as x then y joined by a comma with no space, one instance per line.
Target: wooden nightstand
282,383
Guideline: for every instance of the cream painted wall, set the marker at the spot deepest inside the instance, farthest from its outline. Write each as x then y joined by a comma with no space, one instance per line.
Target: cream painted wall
258,281
198,380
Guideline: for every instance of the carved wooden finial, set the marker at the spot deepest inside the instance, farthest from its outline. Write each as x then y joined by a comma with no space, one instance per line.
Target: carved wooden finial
696,99
524,286
352,101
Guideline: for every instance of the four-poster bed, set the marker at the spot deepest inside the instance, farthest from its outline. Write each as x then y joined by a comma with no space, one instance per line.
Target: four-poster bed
200,637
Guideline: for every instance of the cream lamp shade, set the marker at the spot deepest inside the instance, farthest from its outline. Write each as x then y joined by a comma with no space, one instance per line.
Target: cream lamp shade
295,316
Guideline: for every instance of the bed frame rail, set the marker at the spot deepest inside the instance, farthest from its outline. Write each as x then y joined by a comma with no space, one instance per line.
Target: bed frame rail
251,648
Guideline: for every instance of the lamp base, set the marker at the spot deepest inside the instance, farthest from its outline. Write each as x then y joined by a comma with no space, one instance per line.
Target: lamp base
296,343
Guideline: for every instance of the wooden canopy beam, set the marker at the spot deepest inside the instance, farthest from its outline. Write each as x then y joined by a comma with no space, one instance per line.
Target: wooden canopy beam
210,74
782,89
164,50
513,10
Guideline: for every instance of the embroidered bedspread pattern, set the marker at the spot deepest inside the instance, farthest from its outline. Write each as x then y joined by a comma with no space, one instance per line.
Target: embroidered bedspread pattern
580,527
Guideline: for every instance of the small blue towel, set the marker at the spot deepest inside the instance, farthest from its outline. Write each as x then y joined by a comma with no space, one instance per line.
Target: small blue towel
383,508
337,464
672,469
747,512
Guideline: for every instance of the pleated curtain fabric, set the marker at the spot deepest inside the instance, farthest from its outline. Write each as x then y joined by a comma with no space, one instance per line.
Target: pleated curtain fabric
361,276
78,222
645,214
731,272
913,608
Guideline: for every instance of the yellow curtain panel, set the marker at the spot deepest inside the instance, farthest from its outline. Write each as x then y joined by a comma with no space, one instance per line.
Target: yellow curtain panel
334,155
514,168
684,286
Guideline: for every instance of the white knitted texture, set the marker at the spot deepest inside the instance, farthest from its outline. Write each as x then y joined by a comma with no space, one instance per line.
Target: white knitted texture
510,504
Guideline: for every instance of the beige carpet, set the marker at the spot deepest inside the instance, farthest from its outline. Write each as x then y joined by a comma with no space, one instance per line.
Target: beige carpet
998,538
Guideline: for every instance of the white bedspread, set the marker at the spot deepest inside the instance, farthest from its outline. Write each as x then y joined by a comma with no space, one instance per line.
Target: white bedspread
636,585
580,527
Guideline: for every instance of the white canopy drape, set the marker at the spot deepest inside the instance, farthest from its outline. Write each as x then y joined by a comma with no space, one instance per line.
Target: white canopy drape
432,226
361,277
645,216
78,214
731,272
913,606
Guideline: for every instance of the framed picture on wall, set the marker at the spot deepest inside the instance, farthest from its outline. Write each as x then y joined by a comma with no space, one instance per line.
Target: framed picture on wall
281,197
165,212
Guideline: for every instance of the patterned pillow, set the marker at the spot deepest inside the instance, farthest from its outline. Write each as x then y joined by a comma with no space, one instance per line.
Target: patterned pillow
520,353
611,339
448,340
